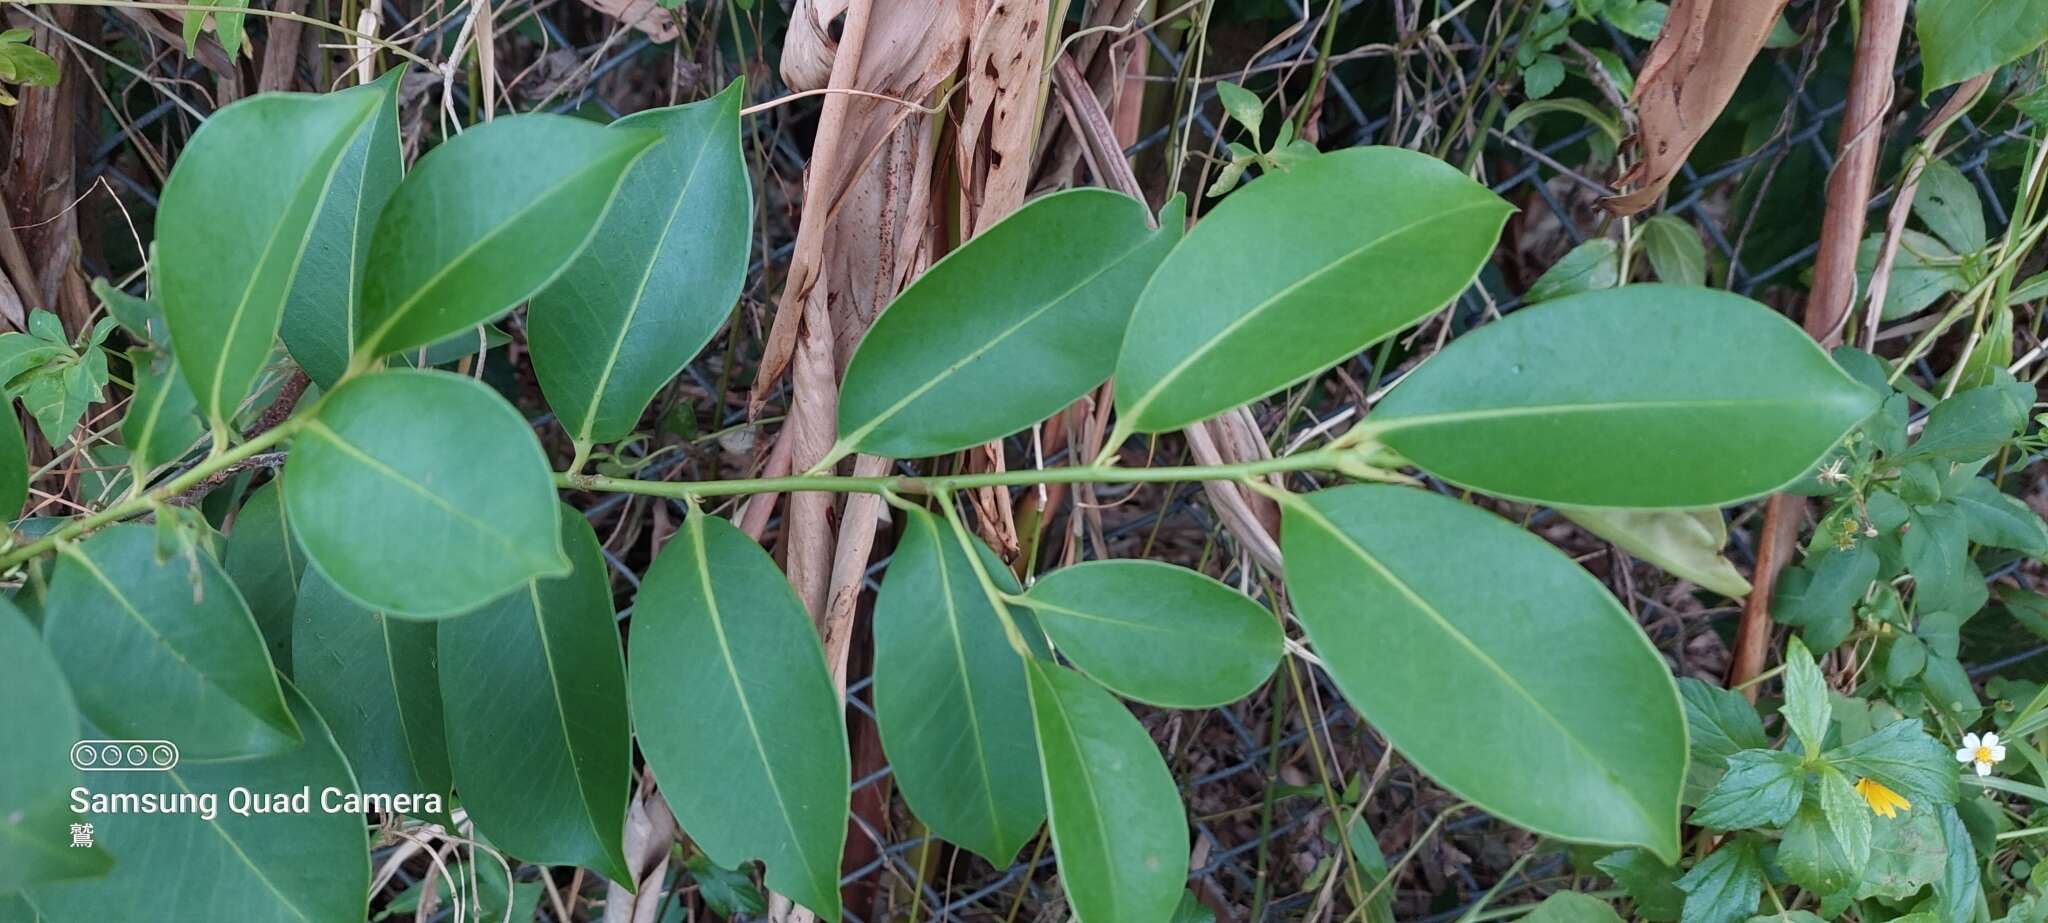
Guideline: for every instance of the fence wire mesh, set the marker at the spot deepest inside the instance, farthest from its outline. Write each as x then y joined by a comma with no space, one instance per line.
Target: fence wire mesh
1264,779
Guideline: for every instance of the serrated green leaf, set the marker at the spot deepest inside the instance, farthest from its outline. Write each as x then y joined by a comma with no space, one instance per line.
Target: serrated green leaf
659,277
1556,404
950,699
1463,675
1118,829
1761,788
423,494
1271,288
1724,886
1807,708
1005,331
1902,757
40,726
533,696
1157,633
452,249
163,649
1722,722
1648,881
756,765
233,229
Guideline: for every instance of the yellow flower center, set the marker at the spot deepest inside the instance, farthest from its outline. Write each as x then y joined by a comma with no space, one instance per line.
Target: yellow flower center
1983,755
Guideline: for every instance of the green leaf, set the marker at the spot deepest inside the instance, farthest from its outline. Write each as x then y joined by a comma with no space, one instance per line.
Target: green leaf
1999,519
1675,251
726,892
1294,274
1649,882
1969,425
1720,721
1819,595
266,562
1572,907
1157,633
950,699
1542,76
1907,852
14,469
737,714
1949,206
1959,890
320,313
1005,331
1902,757
1558,404
1595,264
163,649
1116,817
1960,39
1904,658
377,680
1609,128
1724,886
160,426
310,868
422,494
1465,676
1806,709
143,318
1685,543
1936,546
452,249
533,694
233,228
659,277
1923,270
1241,105
1761,788
40,726
1827,845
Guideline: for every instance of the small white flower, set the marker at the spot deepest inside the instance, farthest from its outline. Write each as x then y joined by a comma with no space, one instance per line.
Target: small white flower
1831,473
1985,753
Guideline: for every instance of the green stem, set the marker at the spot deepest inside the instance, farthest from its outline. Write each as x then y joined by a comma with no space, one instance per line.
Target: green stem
1319,459
135,506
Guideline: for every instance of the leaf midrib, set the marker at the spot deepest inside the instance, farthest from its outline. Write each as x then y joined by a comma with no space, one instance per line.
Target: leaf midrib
1187,362
1100,826
1384,423
698,548
952,611
547,655
1316,516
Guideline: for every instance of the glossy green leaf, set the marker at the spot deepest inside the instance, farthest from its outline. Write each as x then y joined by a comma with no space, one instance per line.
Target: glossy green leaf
1761,788
266,562
484,221
1117,824
1158,633
14,468
1561,404
1685,543
1724,887
736,712
160,425
422,494
233,228
1016,324
659,278
533,695
1295,273
377,680
40,725
307,868
320,314
950,699
163,650
1960,39
1465,676
1675,252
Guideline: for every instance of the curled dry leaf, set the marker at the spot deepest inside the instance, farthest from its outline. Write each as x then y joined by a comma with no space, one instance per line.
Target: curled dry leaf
1692,70
645,15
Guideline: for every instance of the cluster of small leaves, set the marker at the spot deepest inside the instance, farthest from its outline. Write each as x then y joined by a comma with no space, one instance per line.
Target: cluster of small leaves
23,64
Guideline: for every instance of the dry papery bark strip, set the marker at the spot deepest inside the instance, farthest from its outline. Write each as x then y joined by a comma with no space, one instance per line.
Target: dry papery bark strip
1834,287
